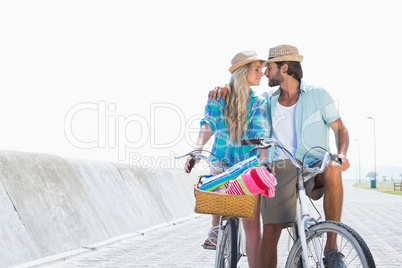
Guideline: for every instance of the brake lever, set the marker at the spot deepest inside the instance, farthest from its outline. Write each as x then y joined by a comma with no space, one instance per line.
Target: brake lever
261,147
335,158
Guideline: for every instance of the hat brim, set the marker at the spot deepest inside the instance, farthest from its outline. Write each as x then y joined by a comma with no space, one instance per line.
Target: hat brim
240,64
297,58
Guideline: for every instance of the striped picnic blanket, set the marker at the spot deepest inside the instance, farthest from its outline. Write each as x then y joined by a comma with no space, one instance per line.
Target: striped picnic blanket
211,183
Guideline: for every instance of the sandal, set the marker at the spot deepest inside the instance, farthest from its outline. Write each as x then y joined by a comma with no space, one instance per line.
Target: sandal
212,240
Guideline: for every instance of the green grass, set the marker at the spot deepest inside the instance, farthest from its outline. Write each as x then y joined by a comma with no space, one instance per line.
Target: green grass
382,186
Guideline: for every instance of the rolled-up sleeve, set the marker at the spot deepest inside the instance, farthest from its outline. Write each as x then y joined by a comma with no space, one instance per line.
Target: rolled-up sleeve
329,110
211,114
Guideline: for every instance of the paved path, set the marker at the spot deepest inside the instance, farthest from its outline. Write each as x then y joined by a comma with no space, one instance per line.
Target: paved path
375,216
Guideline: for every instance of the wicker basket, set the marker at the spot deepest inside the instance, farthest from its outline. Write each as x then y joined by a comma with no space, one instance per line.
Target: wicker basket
220,204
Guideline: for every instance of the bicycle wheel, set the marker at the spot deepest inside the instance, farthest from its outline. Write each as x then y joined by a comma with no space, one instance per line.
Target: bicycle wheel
349,242
227,257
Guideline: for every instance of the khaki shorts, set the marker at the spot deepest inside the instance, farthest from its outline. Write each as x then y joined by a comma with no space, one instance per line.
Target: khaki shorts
282,207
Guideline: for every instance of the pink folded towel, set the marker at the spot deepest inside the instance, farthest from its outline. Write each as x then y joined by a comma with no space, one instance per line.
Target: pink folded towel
254,180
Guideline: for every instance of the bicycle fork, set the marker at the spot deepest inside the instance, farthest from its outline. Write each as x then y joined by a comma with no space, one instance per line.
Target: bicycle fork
220,232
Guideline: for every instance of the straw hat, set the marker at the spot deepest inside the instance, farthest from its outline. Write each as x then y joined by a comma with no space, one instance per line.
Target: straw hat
242,58
283,53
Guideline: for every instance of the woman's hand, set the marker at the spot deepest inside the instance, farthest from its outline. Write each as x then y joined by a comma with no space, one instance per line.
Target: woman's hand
188,166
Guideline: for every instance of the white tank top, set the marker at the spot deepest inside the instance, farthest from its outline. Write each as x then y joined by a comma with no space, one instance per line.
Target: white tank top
284,125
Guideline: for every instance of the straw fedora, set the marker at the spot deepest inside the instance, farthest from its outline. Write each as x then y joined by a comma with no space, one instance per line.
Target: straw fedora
242,58
284,53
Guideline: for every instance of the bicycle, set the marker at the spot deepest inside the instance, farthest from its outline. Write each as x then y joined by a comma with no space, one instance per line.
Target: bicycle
310,233
230,246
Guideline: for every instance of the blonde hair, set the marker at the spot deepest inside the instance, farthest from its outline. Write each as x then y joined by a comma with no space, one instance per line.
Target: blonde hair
236,103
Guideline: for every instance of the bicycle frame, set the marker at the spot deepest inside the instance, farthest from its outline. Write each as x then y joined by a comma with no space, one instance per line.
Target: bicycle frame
303,217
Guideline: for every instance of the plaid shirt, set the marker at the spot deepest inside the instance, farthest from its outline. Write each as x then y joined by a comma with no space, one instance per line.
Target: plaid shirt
225,148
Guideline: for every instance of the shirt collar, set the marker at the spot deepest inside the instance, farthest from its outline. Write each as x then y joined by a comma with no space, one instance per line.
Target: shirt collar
302,85
252,94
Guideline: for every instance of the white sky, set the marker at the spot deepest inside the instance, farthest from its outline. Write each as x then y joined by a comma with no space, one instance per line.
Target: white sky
84,79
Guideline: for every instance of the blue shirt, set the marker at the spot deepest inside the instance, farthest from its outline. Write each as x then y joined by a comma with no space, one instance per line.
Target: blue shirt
226,149
314,112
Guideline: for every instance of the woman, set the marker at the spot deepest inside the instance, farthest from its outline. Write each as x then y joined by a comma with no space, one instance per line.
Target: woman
241,115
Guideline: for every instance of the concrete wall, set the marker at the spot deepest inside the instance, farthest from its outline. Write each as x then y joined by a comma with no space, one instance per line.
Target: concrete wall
50,204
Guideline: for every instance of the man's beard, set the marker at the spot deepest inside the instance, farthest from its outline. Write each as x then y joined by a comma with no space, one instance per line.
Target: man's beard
276,80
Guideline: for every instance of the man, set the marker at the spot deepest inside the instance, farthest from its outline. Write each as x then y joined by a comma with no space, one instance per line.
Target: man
300,117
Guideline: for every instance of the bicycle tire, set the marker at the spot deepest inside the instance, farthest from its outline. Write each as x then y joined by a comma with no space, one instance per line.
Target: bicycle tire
350,244
227,257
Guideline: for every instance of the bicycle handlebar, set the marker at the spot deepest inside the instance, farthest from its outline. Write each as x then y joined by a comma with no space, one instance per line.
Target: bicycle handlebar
191,164
263,143
256,141
194,158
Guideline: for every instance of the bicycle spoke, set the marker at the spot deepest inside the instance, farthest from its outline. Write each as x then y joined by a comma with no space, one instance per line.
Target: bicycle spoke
353,251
